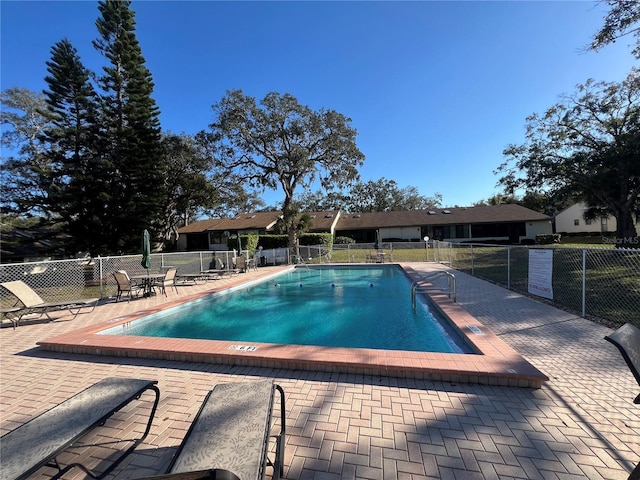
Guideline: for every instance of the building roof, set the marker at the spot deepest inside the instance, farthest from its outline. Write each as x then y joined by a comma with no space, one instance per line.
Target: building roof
20,245
324,221
242,221
321,221
439,216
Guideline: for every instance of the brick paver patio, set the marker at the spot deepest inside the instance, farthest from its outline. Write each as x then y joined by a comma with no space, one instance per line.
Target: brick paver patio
580,424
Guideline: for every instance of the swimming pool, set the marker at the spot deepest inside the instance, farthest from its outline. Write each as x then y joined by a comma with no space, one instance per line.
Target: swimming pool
494,362
353,307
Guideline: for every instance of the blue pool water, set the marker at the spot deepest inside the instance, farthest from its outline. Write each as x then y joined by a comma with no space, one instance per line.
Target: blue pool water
358,307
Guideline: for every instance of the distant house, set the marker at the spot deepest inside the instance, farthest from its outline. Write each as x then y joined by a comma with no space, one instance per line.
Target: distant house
571,220
19,245
497,223
214,234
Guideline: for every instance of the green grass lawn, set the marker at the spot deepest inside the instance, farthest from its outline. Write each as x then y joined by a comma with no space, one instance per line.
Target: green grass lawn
612,278
588,241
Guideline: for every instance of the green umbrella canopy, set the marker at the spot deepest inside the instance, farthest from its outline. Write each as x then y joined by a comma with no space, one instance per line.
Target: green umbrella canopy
146,250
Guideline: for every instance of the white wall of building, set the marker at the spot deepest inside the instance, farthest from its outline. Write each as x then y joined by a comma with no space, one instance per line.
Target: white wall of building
538,228
571,220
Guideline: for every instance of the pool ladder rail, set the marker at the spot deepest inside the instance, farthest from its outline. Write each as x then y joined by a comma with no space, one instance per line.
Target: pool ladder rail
449,290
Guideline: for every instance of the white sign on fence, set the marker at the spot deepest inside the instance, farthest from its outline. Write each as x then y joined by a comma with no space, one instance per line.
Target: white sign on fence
541,272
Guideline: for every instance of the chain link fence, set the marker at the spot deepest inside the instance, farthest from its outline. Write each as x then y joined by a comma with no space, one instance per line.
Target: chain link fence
599,283
61,280
592,282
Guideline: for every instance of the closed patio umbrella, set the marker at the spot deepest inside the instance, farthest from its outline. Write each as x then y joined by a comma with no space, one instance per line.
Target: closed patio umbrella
146,250
146,260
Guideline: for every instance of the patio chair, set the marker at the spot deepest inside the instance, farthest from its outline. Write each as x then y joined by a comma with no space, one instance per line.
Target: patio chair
169,280
374,256
125,286
231,432
34,304
241,264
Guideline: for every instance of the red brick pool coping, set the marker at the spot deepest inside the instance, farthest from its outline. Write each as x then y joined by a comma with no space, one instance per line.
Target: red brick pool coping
495,364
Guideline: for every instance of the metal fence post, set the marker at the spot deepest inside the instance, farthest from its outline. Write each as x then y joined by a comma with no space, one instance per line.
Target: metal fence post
509,268
472,263
101,276
584,283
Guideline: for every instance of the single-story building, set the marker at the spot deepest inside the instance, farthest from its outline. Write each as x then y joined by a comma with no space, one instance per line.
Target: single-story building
496,223
213,234
19,246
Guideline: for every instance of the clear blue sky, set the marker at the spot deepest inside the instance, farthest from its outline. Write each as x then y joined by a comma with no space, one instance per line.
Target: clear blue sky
436,90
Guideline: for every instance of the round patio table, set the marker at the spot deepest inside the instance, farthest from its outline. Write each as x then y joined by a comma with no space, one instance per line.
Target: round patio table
147,280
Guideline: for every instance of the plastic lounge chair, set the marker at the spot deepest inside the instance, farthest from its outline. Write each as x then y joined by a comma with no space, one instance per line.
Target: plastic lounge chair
38,442
125,286
194,278
33,303
220,269
232,431
627,340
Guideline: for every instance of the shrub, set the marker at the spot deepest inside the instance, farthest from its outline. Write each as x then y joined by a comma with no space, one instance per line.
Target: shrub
343,241
316,239
547,239
273,241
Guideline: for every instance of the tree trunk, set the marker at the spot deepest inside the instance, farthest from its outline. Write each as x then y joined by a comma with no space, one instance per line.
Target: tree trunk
626,235
288,217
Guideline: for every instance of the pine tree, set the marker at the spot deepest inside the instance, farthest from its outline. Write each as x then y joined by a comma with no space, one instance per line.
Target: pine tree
131,136
78,192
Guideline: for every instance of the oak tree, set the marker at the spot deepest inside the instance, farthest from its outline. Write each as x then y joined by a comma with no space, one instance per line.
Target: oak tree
281,143
587,147
622,19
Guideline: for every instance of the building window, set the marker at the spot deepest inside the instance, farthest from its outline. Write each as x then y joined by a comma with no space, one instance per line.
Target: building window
497,229
217,238
576,222
588,222
462,231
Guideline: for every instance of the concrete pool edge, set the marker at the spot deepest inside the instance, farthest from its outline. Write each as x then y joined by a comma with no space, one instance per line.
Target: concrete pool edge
496,364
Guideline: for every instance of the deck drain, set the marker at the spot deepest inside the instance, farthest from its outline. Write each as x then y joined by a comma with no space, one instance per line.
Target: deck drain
475,330
114,320
243,348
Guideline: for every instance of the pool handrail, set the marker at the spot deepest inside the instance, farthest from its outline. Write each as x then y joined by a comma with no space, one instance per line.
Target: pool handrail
416,286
